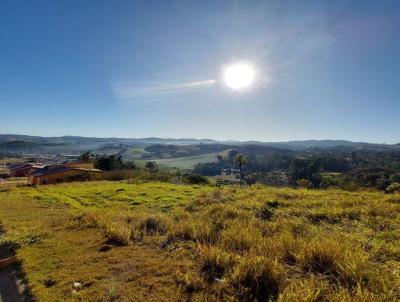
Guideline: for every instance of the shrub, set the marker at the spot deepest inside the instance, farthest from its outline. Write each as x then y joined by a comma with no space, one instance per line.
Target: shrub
304,183
195,179
393,188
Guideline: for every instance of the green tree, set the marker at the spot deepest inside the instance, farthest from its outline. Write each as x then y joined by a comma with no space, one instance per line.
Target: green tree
241,160
151,166
232,155
86,157
109,163
395,178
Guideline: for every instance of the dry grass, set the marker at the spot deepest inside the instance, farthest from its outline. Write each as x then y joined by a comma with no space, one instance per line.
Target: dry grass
205,244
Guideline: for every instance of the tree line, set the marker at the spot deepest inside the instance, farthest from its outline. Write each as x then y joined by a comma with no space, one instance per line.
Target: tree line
338,167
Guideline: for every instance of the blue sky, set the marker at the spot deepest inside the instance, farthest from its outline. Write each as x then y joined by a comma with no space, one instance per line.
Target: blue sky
326,69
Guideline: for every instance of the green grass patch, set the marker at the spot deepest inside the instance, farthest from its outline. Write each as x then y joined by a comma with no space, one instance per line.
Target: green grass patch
187,162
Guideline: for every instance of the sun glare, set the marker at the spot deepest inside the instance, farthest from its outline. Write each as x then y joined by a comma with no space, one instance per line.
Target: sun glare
239,76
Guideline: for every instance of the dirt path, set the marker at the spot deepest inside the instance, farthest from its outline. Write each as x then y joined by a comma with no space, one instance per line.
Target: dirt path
12,285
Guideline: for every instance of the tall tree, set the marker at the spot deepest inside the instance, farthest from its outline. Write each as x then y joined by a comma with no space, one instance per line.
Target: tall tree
241,160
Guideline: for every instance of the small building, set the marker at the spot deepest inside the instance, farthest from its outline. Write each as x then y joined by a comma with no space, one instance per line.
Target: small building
60,173
23,170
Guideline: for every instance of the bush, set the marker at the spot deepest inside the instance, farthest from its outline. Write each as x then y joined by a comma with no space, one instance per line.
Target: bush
393,188
395,178
195,179
304,183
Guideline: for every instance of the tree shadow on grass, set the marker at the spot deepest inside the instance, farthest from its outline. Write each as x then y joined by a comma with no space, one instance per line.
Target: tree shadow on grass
13,285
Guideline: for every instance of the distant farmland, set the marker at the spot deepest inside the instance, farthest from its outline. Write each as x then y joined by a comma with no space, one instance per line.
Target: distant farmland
188,162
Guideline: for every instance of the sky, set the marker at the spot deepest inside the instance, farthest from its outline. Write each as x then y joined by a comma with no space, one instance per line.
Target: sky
325,69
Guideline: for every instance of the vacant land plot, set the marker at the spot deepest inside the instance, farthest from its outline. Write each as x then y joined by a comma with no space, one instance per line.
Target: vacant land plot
188,162
134,153
105,241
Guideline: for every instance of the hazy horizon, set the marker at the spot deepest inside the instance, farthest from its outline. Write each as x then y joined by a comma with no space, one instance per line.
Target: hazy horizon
203,138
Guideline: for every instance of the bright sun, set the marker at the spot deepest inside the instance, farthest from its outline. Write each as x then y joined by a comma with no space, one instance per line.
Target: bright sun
239,76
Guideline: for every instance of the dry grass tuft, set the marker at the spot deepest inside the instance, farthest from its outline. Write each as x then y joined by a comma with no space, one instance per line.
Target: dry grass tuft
258,278
154,225
214,262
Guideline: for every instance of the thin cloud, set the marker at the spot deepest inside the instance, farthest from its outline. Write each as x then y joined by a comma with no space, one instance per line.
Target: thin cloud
135,90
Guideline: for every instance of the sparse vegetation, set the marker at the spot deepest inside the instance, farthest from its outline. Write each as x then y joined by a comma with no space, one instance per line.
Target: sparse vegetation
200,243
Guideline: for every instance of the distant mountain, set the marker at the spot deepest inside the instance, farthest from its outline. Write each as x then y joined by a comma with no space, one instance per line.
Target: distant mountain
306,144
78,144
96,140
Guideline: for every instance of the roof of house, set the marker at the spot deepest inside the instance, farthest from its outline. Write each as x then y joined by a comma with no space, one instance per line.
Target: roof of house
50,170
26,166
59,169
18,166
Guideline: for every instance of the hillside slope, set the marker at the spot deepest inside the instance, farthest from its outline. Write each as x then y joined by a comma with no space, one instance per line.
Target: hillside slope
64,144
164,242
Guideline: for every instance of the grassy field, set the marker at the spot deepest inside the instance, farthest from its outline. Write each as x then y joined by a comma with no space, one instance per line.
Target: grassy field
187,162
163,242
134,153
